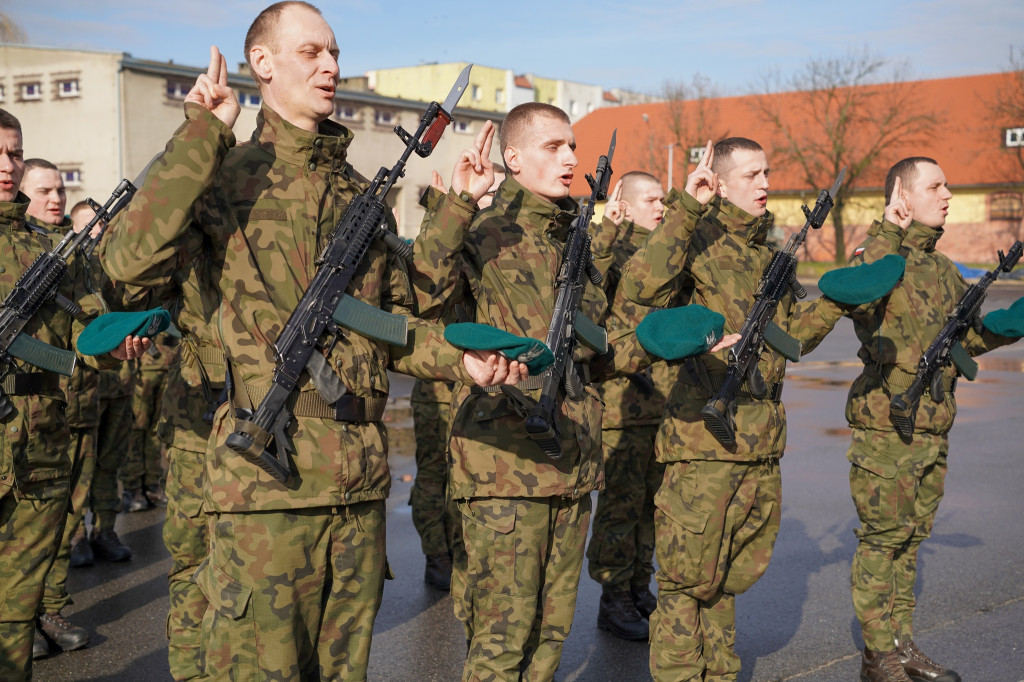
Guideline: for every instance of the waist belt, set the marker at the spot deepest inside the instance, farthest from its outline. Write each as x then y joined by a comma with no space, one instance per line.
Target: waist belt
30,383
712,382
535,382
895,378
349,408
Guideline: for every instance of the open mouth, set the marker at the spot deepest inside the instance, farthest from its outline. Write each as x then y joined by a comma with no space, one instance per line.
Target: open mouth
566,179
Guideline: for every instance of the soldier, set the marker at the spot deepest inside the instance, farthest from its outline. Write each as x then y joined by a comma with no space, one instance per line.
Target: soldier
621,550
717,511
35,470
897,484
295,570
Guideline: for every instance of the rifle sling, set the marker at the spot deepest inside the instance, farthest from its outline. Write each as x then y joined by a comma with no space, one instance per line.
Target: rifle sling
30,383
349,408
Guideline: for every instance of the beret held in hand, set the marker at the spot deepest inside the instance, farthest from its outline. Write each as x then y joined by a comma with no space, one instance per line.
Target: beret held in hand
106,332
676,333
474,336
860,284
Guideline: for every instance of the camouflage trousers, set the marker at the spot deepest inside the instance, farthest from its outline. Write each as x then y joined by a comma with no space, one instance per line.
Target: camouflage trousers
896,489
621,551
185,537
716,524
434,516
515,588
31,522
293,594
143,466
82,452
114,432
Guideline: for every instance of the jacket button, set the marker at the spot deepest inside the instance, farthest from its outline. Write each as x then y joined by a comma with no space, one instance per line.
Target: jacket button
318,142
312,165
348,496
2,269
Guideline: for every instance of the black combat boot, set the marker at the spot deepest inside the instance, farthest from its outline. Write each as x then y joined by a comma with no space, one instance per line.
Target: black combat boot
81,551
62,633
438,573
618,615
155,495
881,666
920,668
40,647
644,600
109,547
135,500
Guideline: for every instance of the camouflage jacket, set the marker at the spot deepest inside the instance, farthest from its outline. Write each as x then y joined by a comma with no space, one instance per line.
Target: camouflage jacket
718,252
266,208
639,399
34,436
896,330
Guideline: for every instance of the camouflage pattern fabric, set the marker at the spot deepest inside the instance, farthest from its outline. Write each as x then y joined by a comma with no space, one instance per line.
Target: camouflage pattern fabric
143,466
35,468
436,520
897,485
332,553
716,525
114,432
516,594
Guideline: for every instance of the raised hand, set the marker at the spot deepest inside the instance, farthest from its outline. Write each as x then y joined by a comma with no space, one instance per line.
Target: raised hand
615,208
702,183
899,210
437,182
474,171
211,90
490,368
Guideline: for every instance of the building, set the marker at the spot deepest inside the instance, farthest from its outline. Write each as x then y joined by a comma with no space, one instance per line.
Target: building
495,89
979,149
101,116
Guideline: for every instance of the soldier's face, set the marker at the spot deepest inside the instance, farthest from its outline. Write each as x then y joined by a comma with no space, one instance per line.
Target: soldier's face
645,204
928,196
12,163
45,190
545,157
302,73
746,183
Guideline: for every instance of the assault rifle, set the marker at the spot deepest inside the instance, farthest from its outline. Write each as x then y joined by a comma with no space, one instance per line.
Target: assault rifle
260,434
567,322
946,349
39,285
778,278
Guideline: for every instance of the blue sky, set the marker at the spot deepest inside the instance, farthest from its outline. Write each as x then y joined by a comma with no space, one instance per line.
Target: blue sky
732,42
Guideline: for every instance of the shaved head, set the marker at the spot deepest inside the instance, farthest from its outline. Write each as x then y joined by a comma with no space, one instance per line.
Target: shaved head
521,118
262,32
725,149
634,181
907,171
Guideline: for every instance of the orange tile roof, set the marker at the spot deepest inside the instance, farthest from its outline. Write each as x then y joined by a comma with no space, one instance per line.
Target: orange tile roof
523,82
610,97
967,141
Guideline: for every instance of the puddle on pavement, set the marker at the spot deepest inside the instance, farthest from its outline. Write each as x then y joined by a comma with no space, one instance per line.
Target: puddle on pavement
816,382
997,364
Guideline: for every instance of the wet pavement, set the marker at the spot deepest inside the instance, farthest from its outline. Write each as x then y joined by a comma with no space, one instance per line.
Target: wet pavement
797,623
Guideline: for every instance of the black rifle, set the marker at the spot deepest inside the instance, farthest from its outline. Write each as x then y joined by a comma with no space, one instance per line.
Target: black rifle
567,322
946,349
260,435
778,278
38,286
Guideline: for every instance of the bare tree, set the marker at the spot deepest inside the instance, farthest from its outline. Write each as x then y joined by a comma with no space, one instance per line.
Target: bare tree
10,32
1008,106
843,112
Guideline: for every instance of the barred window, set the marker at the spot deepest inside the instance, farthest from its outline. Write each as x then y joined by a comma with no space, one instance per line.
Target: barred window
31,91
1006,206
68,88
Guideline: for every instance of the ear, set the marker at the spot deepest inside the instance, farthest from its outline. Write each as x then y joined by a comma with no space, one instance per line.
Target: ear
261,60
511,157
627,209
721,189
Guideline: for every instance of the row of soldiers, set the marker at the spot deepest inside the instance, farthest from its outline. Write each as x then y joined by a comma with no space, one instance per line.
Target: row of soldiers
282,579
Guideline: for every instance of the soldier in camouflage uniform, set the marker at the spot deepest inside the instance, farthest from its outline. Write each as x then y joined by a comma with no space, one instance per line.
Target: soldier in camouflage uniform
295,570
896,484
621,550
35,469
718,509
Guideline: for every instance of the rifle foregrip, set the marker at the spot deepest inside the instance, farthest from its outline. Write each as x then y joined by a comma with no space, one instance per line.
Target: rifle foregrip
543,433
433,133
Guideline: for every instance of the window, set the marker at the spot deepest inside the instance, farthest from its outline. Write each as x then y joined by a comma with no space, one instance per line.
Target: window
462,127
697,153
1015,137
476,93
3,93
249,100
72,177
383,118
1006,206
572,107
177,89
346,112
31,91
499,96
67,88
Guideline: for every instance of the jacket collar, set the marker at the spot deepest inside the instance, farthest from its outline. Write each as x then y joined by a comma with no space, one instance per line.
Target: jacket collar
13,212
529,210
738,222
293,145
922,237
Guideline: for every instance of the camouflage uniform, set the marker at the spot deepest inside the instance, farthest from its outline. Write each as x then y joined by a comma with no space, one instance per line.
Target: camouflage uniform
316,543
717,511
432,516
621,550
143,466
35,469
897,485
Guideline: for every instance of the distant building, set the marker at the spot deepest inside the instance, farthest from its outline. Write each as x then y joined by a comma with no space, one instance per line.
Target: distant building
101,116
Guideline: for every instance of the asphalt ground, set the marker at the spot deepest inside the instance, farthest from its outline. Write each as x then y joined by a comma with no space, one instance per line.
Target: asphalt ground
797,623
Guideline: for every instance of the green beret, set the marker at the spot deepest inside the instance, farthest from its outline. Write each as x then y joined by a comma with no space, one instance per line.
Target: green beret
1007,321
106,332
859,284
675,333
472,336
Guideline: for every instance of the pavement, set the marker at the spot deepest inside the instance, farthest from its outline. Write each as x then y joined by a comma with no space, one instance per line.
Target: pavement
797,623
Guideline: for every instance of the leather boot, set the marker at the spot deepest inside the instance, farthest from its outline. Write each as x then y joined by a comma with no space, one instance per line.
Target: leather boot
40,647
644,600
920,668
81,551
109,547
62,633
135,500
155,495
618,615
881,666
438,573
